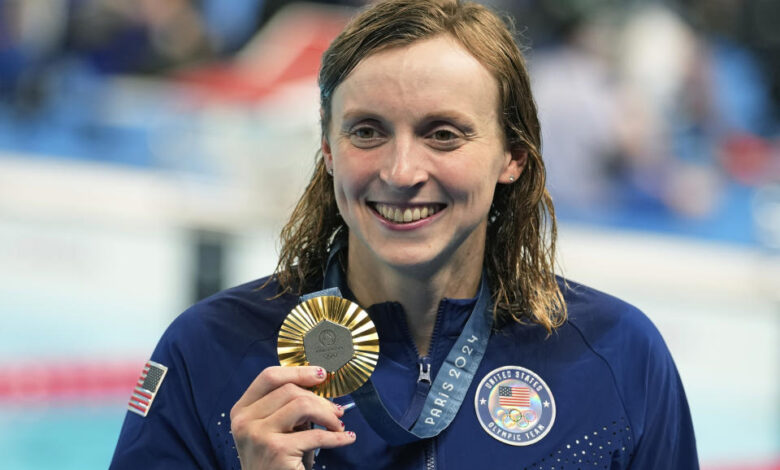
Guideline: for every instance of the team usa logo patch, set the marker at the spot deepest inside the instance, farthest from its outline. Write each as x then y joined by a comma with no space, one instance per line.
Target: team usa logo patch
146,388
515,406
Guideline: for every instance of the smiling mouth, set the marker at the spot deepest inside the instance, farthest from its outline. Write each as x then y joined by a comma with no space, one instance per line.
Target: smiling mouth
404,214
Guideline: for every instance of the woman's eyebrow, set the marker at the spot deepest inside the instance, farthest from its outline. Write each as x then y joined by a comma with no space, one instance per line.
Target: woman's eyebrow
459,119
353,115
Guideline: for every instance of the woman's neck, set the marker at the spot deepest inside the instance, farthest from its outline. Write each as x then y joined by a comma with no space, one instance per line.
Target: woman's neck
419,290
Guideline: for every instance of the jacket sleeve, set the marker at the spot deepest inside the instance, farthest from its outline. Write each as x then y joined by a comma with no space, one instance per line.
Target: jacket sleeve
667,439
171,435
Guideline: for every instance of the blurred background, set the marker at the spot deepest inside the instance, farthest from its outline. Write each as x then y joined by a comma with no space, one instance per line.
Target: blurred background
151,150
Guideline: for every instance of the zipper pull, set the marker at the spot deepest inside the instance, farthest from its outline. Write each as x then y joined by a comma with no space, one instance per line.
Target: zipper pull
425,373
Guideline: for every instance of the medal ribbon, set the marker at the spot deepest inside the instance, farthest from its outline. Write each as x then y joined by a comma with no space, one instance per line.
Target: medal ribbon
448,388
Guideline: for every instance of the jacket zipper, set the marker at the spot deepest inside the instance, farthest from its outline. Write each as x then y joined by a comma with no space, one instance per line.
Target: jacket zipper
424,381
420,393
424,378
424,384
430,454
425,371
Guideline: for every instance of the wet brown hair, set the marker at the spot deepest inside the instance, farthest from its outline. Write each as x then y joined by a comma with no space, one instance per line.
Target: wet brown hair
521,233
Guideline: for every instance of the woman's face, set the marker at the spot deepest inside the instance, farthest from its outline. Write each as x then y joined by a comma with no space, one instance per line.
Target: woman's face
416,148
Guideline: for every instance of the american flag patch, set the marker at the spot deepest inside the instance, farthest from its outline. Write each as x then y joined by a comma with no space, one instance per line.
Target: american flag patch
146,388
519,397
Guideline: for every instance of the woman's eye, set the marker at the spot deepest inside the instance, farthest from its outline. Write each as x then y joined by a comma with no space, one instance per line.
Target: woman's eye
365,137
445,139
365,133
443,135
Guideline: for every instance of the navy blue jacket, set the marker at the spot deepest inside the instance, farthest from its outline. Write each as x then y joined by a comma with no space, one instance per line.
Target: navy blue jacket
618,397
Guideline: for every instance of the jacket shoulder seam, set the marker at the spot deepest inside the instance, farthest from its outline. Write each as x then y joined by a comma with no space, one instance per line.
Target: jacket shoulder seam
614,379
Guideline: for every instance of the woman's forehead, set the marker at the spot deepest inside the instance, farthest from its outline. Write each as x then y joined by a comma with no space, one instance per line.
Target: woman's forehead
428,72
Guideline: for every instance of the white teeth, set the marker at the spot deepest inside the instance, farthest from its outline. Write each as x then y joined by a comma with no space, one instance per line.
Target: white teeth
398,215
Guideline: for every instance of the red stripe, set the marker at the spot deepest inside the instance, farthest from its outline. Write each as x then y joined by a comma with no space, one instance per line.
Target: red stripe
514,401
142,393
69,379
140,400
143,410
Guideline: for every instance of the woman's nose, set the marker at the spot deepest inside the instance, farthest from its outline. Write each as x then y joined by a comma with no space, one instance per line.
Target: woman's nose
404,164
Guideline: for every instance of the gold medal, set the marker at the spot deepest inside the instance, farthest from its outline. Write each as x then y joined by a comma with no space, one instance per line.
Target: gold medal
335,334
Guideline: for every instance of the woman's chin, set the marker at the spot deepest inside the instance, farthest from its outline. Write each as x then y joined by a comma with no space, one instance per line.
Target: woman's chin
410,261
405,260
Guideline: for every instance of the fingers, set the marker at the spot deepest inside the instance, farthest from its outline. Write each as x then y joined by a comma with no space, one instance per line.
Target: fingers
320,439
273,377
276,399
272,419
305,409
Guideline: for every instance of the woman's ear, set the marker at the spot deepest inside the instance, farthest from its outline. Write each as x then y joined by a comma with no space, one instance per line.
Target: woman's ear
515,164
327,155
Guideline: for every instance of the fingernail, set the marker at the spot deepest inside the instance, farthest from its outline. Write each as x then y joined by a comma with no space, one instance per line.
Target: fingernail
320,372
341,423
339,407
351,434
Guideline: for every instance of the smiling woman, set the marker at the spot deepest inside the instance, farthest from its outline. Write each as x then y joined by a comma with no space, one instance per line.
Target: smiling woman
427,207
480,64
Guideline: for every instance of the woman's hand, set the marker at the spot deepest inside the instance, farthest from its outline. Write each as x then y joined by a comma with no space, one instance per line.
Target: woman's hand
271,422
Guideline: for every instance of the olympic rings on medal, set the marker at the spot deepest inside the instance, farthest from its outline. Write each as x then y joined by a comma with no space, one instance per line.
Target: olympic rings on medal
515,417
